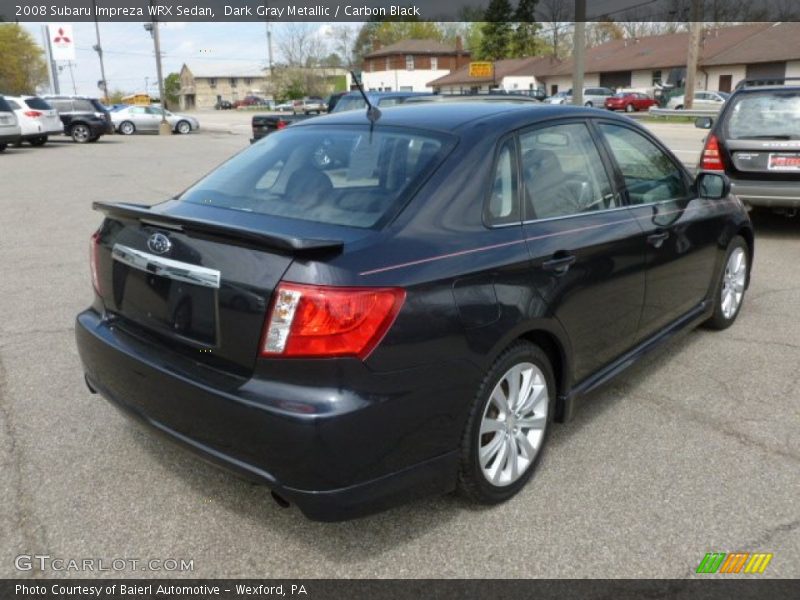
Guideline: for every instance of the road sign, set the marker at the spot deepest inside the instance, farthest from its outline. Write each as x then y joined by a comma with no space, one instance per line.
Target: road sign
481,69
62,41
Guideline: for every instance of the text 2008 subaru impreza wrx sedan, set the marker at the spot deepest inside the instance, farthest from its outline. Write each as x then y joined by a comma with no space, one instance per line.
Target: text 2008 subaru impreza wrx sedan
355,313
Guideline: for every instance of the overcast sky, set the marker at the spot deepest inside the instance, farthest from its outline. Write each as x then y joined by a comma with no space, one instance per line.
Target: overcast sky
129,55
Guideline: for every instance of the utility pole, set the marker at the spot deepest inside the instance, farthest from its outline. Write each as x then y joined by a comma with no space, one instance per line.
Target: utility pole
695,33
164,127
52,70
269,47
579,52
99,49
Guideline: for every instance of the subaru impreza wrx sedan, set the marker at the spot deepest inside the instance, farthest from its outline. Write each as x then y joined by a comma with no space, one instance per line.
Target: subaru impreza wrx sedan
357,311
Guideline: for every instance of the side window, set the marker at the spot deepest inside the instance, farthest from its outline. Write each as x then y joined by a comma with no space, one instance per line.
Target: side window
563,173
650,175
503,205
13,104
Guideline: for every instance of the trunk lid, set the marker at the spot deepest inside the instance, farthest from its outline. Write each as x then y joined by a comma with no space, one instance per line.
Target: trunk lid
774,159
198,282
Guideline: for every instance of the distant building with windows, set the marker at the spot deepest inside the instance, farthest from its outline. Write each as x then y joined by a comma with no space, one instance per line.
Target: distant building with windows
203,85
409,65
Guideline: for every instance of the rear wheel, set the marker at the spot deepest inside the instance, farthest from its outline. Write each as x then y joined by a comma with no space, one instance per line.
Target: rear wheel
589,104
629,108
2,147
127,128
507,425
679,107
39,141
80,133
183,127
731,286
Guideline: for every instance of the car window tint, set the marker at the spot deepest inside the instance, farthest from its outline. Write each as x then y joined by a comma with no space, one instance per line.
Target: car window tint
13,104
563,173
349,176
650,174
385,102
83,105
62,105
503,206
37,104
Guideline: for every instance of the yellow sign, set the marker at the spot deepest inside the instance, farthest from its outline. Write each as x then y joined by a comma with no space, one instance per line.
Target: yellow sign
481,69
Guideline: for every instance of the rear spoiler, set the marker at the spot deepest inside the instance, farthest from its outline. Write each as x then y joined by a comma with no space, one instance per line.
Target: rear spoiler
286,243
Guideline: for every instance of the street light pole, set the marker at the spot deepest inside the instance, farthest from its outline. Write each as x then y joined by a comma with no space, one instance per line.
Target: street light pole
164,127
579,52
99,50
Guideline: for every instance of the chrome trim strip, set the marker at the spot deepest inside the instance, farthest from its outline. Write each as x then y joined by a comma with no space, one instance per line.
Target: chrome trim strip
166,267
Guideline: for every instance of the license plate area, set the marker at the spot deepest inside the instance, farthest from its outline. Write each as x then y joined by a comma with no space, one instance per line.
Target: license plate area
784,161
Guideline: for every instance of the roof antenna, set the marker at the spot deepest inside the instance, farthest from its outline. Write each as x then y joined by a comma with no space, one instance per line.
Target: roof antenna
373,113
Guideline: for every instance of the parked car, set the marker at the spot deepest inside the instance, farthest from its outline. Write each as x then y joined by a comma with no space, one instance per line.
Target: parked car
439,286
333,100
84,119
128,121
37,119
223,105
756,142
250,101
471,98
10,132
308,105
630,102
263,125
355,101
285,106
592,96
702,101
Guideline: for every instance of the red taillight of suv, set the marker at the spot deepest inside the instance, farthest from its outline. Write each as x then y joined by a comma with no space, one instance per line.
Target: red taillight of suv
320,321
711,160
93,250
35,114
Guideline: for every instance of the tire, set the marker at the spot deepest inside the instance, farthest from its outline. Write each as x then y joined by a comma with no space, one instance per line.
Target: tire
39,141
3,147
80,133
475,473
731,285
629,108
127,128
94,139
588,104
679,107
183,127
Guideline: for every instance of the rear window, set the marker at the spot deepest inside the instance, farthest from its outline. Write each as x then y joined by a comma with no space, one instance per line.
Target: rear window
13,104
350,103
38,104
773,115
4,105
335,175
83,105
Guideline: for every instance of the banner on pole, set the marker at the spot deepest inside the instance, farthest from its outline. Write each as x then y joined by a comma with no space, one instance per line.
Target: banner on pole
62,41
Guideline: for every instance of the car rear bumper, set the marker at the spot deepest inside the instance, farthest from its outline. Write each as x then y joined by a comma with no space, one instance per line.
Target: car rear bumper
772,194
245,427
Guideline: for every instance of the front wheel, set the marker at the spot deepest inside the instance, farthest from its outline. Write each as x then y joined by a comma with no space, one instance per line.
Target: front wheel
183,127
731,287
127,128
679,107
629,108
507,425
80,133
589,105
3,147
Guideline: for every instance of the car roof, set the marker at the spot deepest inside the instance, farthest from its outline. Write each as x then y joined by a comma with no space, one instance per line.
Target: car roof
451,116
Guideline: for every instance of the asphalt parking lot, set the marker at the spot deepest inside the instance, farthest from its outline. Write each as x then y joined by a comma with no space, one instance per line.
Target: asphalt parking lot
696,450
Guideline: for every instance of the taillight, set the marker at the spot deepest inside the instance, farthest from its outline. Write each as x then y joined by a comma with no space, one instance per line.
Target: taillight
281,124
711,160
317,321
32,113
95,248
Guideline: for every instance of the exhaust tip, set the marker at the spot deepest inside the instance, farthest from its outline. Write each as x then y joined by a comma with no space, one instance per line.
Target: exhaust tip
280,500
89,385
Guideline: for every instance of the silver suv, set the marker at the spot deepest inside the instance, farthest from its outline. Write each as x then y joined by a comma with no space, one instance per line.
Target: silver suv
592,96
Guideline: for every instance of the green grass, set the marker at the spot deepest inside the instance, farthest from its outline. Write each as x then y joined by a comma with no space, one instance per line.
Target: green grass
667,119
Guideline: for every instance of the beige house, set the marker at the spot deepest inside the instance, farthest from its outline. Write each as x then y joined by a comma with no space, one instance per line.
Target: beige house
202,86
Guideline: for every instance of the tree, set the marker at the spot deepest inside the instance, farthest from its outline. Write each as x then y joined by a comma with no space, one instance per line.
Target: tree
22,67
496,42
558,15
602,32
524,40
172,89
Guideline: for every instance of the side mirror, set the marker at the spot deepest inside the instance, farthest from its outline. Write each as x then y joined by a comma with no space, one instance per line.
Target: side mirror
703,122
713,186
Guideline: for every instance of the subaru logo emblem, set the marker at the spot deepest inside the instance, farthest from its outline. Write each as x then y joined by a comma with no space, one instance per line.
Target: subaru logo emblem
159,243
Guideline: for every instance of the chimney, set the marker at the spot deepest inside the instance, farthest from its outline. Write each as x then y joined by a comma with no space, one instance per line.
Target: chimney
459,44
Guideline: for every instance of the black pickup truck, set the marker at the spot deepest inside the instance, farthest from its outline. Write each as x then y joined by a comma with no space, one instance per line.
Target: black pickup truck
263,125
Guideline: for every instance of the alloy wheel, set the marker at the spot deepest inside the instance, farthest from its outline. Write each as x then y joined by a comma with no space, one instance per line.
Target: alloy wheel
80,133
184,127
733,282
513,424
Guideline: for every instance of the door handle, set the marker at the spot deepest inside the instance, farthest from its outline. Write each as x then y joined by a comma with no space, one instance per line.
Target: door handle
559,265
657,239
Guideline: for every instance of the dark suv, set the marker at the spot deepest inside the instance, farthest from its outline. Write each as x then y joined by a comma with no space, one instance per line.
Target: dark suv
756,142
85,119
